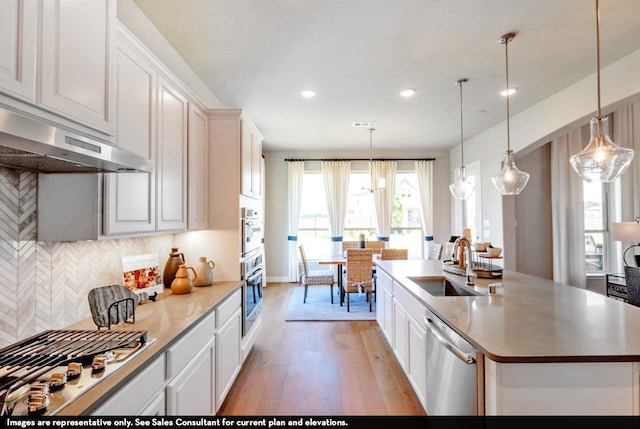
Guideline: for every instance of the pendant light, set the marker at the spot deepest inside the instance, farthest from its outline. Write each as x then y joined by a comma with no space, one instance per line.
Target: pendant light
510,180
602,160
381,181
461,189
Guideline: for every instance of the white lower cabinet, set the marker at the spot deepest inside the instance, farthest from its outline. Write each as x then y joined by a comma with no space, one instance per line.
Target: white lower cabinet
417,358
141,396
192,390
400,316
229,355
400,333
195,373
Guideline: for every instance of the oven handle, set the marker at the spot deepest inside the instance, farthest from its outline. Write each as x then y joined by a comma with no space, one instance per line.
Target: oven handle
254,275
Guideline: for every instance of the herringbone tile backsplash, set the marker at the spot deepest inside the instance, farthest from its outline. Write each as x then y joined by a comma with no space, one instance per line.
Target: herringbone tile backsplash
44,285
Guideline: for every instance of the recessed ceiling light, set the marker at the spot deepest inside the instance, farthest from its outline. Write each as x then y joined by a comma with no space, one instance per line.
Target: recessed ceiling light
509,91
308,93
409,92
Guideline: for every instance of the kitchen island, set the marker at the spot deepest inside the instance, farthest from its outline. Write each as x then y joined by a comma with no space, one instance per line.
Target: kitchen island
544,347
183,332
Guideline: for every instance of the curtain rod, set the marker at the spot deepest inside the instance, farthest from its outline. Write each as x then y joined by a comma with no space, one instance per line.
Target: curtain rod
358,159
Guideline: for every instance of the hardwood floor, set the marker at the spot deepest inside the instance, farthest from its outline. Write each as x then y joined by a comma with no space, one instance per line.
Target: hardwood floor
318,368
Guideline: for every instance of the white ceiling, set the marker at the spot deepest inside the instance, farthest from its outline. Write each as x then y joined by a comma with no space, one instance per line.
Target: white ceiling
358,54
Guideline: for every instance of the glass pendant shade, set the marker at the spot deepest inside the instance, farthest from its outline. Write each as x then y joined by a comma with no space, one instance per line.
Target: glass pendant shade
510,180
602,160
461,189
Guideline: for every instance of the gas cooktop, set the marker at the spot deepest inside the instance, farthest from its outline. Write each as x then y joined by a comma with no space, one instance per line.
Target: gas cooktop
44,373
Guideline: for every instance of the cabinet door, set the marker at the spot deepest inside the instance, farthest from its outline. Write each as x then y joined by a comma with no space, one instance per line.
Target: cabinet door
172,158
18,22
228,355
77,67
130,199
256,166
246,160
400,334
198,157
192,391
388,316
139,395
417,364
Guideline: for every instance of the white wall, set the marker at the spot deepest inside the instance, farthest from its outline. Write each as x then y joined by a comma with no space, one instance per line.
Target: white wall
530,129
276,215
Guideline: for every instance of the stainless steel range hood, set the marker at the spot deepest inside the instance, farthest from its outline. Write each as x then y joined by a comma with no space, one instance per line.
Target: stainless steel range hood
30,144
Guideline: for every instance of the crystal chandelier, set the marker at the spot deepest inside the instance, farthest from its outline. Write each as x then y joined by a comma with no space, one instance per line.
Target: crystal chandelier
510,180
381,181
461,189
602,160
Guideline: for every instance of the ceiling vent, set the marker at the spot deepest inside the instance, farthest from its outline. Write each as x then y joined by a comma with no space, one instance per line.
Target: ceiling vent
365,124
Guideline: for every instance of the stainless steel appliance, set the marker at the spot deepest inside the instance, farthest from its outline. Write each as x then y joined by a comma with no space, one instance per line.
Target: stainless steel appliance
44,373
35,145
252,233
252,271
452,373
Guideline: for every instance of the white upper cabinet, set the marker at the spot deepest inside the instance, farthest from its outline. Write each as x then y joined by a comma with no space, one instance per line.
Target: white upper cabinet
57,61
198,161
251,160
172,158
130,198
77,60
18,30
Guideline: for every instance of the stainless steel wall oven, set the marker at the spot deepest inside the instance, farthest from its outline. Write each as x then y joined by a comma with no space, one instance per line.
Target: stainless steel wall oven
252,233
252,271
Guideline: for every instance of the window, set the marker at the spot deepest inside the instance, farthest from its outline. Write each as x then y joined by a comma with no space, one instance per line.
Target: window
596,234
360,216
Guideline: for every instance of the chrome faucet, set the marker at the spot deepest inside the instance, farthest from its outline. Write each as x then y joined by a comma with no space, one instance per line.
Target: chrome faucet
468,258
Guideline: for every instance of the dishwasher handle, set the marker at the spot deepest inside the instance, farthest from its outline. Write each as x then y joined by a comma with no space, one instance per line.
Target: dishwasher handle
442,339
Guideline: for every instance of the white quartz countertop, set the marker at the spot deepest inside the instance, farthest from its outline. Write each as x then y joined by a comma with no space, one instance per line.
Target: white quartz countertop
530,319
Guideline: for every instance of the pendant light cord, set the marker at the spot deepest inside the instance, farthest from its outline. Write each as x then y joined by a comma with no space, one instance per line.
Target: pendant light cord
599,114
506,55
461,82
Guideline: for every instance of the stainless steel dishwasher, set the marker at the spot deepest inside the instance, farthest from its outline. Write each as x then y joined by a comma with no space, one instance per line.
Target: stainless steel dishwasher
452,373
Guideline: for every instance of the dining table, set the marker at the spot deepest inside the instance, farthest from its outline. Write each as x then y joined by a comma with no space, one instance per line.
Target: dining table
340,260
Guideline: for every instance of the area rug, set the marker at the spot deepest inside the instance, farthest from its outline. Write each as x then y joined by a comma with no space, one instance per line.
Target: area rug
319,307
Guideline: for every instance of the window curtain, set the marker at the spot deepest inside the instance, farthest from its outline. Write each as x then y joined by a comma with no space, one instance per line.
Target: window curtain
336,188
567,212
383,198
626,133
296,176
424,173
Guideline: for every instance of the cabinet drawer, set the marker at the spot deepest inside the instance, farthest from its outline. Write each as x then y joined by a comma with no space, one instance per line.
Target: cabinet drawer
179,354
413,306
130,400
225,310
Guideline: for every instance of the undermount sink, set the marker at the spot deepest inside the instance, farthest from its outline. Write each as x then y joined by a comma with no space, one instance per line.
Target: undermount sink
441,287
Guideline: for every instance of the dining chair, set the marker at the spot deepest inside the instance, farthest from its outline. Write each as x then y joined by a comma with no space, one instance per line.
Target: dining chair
349,245
314,277
632,280
388,254
435,251
358,275
376,246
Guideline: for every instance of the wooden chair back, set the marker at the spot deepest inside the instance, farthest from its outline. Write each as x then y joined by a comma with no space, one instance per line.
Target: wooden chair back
388,254
305,266
349,245
376,246
435,251
359,269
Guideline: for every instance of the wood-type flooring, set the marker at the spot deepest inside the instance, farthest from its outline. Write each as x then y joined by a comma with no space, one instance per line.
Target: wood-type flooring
318,368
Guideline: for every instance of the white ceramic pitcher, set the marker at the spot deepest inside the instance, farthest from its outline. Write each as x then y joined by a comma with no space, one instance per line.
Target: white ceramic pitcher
204,270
